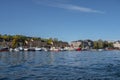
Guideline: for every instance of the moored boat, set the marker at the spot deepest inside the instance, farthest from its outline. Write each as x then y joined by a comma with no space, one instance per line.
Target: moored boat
37,49
16,49
44,49
4,49
31,49
55,49
100,49
78,49
11,49
25,49
21,48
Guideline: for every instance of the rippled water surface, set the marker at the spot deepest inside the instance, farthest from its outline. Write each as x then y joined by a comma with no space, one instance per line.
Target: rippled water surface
84,65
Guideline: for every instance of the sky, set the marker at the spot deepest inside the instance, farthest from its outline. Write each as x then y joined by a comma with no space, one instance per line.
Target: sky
67,20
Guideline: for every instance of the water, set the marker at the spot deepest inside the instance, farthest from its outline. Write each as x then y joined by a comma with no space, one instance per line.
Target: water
85,65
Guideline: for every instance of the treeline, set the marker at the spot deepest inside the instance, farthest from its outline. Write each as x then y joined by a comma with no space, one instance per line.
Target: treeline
89,44
100,44
22,40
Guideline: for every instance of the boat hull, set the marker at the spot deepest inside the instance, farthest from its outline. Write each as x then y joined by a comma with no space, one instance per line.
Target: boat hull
4,49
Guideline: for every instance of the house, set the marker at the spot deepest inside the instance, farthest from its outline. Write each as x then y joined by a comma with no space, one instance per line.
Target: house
76,44
87,44
116,44
84,44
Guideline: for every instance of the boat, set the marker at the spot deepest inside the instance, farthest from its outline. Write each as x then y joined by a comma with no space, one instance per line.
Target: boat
21,48
37,49
25,49
44,49
16,50
11,49
31,49
4,49
100,49
78,49
54,49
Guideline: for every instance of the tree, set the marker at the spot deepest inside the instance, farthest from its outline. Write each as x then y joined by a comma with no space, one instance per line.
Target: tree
14,43
110,45
95,45
5,37
100,44
105,44
50,41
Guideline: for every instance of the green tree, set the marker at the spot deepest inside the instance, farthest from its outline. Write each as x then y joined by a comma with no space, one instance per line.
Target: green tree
100,44
5,37
110,45
105,44
95,45
14,43
50,41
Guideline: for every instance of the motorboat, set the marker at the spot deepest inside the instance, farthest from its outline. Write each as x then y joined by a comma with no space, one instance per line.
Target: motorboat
37,49
4,49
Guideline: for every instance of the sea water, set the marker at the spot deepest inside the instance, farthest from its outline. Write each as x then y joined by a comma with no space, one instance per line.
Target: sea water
68,65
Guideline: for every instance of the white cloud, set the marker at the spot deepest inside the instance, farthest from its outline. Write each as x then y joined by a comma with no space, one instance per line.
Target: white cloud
60,4
78,8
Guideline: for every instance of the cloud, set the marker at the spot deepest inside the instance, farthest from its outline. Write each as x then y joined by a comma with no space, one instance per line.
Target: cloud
61,4
78,8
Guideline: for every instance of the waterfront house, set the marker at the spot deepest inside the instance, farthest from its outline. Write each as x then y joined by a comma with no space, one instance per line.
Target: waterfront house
116,44
87,44
76,44
84,44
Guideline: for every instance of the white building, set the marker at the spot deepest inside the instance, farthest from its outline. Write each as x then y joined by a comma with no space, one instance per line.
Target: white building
76,44
116,44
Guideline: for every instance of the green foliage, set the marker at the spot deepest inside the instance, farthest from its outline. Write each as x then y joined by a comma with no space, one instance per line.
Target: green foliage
110,45
102,44
50,41
5,37
95,45
105,44
14,43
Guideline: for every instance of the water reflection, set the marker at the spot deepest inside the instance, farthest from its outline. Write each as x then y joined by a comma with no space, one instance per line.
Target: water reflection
12,58
32,58
84,65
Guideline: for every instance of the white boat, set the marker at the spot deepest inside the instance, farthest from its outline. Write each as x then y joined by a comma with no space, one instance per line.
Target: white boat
38,49
71,49
44,49
54,49
100,49
10,49
25,49
16,49
21,48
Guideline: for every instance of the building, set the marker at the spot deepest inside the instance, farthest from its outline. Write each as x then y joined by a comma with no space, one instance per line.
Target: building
87,44
84,44
76,44
116,44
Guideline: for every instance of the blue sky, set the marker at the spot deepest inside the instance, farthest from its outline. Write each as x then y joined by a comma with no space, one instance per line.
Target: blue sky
66,20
